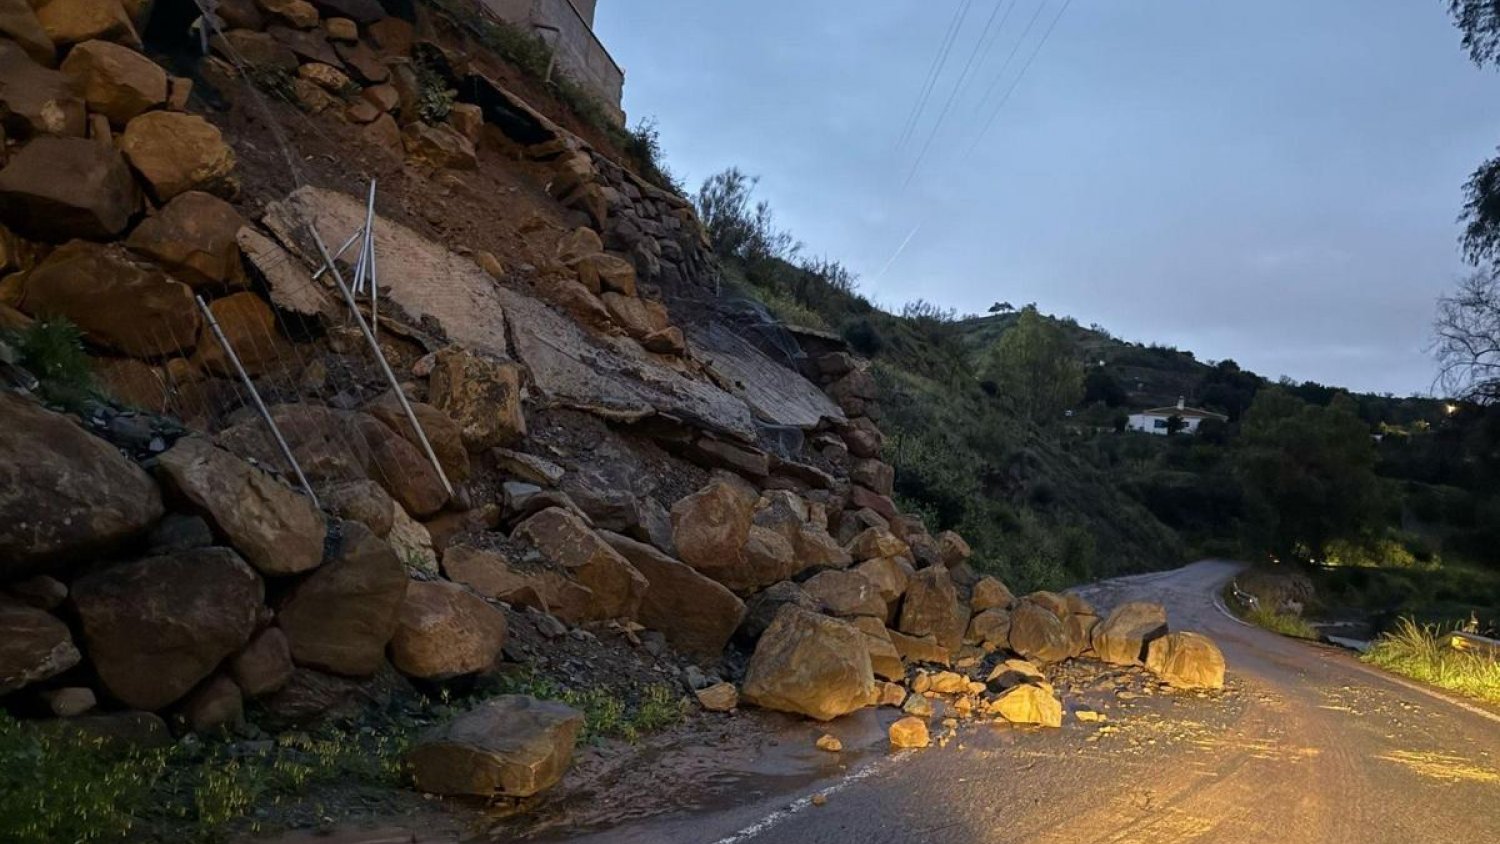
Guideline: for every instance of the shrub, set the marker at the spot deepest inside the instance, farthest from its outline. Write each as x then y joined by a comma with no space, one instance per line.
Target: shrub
864,337
52,350
1423,653
1285,623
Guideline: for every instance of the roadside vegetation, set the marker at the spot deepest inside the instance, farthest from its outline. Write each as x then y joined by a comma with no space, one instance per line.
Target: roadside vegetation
607,713
1285,623
1423,652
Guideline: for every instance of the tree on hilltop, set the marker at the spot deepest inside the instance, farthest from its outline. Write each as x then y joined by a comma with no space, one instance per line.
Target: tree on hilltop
1034,369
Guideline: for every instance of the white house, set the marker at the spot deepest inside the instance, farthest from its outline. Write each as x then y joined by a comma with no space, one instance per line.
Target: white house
1154,421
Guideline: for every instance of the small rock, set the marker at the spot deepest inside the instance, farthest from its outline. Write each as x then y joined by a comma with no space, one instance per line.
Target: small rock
830,743
71,701
720,697
910,731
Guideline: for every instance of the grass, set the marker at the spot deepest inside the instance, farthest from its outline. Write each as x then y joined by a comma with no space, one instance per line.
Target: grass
1422,652
52,351
607,714
1284,623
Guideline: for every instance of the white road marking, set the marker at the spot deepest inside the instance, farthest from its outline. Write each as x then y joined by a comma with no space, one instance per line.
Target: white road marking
801,804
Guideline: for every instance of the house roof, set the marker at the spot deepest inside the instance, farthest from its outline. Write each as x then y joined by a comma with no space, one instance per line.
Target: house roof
1184,412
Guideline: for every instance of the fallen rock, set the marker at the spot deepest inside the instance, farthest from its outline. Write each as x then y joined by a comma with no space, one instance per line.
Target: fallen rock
70,701
1080,633
1013,672
340,618
1029,703
482,395
952,549
118,302
920,649
990,628
567,541
443,434
74,21
1186,661
1038,634
277,530
812,665
399,466
155,628
1122,637
176,152
265,665
18,23
35,100
494,575
446,631
95,201
215,705
829,743
438,147
710,529
720,697
194,237
931,607
64,494
910,731
892,694
990,593
917,706
511,746
846,593
885,660
696,614
34,645
877,542
890,577
116,81
360,500
876,475
762,608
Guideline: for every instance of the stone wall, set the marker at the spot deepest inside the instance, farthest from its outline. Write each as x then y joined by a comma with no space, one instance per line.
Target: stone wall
580,53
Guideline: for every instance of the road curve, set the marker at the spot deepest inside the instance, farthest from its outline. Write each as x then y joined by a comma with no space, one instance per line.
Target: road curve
1308,746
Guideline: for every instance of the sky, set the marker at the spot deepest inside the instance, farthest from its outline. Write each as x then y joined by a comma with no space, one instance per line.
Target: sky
1275,182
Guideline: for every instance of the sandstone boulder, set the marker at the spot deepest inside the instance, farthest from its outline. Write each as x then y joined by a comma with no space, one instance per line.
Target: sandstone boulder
1186,661
877,542
710,529
18,22
176,152
34,645
1051,601
812,665
1013,672
119,303
890,577
95,200
520,582
920,649
763,607
64,494
990,593
154,628
35,100
720,697
1080,633
846,593
932,608
1038,634
696,614
116,81
568,542
990,628
195,237
1029,703
482,396
788,515
256,49
885,660
340,618
278,531
438,147
910,731
510,746
265,664
442,432
876,475
74,21
952,549
1121,638
359,500
446,631
215,705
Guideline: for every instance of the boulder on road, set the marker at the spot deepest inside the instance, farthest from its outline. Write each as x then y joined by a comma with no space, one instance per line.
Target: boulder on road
1186,661
1038,634
1029,703
812,665
156,627
696,614
1121,638
340,618
34,645
510,746
932,608
910,731
445,631
95,201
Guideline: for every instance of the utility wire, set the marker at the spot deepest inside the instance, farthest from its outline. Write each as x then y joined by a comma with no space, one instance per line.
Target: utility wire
939,62
1015,50
1022,75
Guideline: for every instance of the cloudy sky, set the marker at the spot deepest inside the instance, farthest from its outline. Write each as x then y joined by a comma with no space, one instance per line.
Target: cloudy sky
1275,182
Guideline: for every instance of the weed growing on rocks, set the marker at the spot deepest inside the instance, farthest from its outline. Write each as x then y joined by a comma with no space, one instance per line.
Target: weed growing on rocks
52,351
607,714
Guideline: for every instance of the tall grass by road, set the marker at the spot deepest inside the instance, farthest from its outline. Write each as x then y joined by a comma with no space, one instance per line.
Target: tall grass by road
1284,623
1421,652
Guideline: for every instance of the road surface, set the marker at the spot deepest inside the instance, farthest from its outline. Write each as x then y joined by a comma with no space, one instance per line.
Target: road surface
1308,746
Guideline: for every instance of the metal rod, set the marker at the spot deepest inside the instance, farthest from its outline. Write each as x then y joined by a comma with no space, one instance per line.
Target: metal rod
286,450
339,254
364,328
374,281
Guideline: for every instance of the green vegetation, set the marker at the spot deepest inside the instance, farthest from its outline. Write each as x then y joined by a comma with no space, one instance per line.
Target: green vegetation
1285,623
1423,652
52,351
607,713
1033,369
434,98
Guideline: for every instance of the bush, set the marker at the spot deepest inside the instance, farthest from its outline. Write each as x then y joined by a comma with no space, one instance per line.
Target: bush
1284,623
52,350
863,337
1423,652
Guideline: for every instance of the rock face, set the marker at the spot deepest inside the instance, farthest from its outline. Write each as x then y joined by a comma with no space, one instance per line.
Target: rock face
812,665
116,81
1038,634
932,608
697,615
1029,703
63,493
563,538
340,618
277,530
1121,638
511,746
176,152
1186,661
33,645
482,395
95,201
154,628
446,631
195,238
118,302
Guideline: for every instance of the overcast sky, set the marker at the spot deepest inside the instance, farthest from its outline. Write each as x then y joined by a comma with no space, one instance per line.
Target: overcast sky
1275,182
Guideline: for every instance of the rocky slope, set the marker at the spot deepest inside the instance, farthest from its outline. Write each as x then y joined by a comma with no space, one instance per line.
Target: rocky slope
610,462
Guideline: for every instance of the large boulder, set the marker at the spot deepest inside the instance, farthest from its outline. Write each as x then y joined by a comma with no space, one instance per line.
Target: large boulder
696,614
1186,661
786,514
195,237
442,433
890,577
528,583
340,618
763,607
990,629
1038,634
1029,703
877,542
846,593
64,494
446,631
74,21
118,302
990,593
95,200
920,649
1121,638
154,628
18,23
35,100
812,665
116,81
34,645
510,746
176,152
568,542
482,395
402,468
932,608
710,529
277,530
952,549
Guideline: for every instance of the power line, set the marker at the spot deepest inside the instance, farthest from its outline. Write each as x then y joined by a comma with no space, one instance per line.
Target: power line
939,62
1034,53
1015,50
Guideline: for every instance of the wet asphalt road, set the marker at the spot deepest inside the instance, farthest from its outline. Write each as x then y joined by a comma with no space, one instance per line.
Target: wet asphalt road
1308,746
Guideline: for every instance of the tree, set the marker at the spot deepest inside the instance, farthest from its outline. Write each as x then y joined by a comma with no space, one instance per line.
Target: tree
1034,369
1099,386
1002,308
1228,388
1479,21
1308,473
736,227
1467,343
1175,424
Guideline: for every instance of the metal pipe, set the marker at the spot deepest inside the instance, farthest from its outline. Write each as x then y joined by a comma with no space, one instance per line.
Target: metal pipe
286,450
374,281
339,254
364,328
